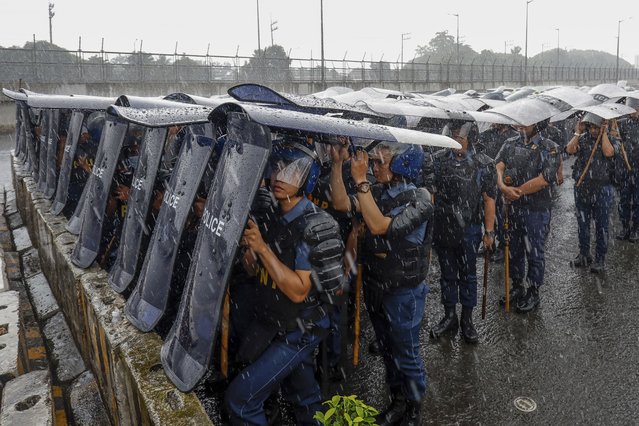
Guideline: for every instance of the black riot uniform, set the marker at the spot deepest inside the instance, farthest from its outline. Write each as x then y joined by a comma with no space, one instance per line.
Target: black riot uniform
628,175
528,163
459,181
594,193
281,339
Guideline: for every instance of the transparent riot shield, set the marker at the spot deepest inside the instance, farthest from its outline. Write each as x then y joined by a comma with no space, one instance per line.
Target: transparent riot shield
134,227
188,347
73,135
96,196
147,303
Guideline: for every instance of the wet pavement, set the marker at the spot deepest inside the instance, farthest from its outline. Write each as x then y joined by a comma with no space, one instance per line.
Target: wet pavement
577,356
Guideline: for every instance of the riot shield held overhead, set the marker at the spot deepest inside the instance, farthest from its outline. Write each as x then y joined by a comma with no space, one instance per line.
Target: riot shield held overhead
73,135
140,195
147,303
93,211
57,128
188,347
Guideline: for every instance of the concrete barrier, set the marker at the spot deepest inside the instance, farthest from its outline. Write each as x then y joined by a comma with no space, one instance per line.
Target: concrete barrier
125,362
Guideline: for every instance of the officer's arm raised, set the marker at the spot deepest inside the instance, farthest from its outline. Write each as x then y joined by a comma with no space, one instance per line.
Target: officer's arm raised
341,201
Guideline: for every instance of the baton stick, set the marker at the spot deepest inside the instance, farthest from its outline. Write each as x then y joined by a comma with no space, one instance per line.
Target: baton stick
224,355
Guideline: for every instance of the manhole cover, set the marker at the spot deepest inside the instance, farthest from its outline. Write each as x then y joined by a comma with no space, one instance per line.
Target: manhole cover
525,404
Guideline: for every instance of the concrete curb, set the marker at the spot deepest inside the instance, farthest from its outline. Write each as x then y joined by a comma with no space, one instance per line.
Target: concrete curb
125,362
27,400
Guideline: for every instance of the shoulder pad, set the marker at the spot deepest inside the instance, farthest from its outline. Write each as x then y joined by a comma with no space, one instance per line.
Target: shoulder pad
319,226
550,145
483,159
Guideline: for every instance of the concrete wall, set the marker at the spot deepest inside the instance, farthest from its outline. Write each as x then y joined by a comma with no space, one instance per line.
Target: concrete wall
124,361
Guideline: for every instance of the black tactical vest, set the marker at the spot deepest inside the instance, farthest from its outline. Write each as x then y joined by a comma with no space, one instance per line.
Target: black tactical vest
394,263
274,306
459,189
600,169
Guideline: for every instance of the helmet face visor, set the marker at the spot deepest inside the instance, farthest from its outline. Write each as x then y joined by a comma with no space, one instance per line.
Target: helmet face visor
456,131
292,172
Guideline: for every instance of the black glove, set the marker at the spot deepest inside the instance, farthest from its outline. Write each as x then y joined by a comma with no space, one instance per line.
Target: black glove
263,204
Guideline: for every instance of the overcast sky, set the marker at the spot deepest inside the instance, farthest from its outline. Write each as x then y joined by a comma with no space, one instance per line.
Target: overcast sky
355,28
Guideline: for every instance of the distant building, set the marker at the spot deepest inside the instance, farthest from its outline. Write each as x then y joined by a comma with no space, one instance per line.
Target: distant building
636,61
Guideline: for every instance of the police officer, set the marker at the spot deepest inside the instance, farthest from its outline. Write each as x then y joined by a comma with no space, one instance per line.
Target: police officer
462,181
526,168
290,320
489,143
395,262
629,192
594,194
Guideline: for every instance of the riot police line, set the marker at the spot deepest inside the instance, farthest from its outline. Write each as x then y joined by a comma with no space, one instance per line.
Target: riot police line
160,191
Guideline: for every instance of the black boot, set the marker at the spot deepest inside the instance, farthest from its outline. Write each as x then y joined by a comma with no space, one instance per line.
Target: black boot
468,331
581,261
598,267
394,413
624,234
517,291
633,235
412,416
530,301
373,348
449,323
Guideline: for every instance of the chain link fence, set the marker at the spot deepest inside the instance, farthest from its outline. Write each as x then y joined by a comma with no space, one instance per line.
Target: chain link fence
60,66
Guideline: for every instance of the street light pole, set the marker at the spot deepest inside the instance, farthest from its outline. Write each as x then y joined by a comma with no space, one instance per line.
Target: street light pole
618,36
526,46
404,38
273,29
259,44
557,46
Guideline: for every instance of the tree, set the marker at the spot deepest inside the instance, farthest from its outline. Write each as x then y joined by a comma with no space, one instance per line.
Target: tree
270,64
515,50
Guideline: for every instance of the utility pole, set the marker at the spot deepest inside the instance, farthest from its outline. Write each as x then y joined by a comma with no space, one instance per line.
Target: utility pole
507,43
526,48
273,29
405,36
51,15
322,41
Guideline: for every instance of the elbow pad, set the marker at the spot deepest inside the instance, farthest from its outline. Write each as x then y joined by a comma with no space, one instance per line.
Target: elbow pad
418,211
326,255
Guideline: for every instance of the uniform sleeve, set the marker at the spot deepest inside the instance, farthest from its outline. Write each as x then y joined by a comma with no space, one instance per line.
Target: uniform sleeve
428,171
489,180
503,154
302,256
550,166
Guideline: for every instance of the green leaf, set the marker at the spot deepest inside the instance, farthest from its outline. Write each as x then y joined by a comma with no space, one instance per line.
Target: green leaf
358,419
360,411
329,413
335,399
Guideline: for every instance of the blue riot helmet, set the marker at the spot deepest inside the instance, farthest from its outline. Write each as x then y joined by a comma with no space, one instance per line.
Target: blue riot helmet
406,160
295,162
95,124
